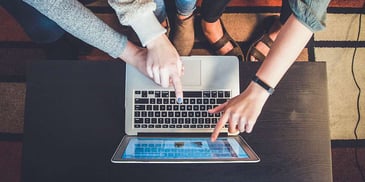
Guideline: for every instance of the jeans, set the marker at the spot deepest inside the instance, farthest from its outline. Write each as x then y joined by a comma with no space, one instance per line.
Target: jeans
212,10
37,26
183,7
312,13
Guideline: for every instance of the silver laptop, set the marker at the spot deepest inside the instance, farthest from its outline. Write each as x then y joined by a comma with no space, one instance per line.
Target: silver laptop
159,130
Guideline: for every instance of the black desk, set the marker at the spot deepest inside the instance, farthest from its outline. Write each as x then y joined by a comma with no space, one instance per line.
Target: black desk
74,121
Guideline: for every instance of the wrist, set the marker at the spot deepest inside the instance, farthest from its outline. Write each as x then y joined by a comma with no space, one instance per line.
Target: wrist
157,41
270,90
131,51
257,92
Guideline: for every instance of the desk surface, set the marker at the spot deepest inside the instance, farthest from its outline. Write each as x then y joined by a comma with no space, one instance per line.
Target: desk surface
74,121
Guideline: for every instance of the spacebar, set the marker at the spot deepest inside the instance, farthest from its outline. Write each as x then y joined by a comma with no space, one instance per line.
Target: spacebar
192,94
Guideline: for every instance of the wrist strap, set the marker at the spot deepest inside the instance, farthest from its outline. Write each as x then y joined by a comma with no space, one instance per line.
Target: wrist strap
263,84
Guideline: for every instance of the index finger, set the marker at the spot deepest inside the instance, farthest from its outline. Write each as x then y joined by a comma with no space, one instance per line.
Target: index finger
222,121
176,81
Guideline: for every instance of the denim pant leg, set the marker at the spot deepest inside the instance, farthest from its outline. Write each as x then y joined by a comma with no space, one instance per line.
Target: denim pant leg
37,26
160,11
285,11
185,7
212,10
312,13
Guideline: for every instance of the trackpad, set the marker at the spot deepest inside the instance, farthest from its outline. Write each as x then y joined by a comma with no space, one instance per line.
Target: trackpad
192,73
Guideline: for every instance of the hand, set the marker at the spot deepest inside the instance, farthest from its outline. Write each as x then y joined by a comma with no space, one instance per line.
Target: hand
242,111
164,64
135,56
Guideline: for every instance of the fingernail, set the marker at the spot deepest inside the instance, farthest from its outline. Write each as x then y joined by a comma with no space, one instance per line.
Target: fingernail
179,100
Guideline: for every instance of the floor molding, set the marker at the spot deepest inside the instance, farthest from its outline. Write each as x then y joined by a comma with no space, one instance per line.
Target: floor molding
347,143
11,137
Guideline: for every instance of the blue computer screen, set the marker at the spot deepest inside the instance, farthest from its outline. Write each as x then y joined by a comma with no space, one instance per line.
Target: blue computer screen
183,148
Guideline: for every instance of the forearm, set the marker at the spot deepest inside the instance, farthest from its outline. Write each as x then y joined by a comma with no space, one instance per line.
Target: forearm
79,21
290,42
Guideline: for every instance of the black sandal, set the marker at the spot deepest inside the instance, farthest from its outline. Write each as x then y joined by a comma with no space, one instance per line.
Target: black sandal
275,25
236,51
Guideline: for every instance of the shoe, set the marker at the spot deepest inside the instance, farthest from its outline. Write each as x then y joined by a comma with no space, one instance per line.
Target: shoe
184,37
236,51
265,38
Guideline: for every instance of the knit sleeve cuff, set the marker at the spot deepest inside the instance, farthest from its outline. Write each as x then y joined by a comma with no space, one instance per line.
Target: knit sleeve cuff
147,27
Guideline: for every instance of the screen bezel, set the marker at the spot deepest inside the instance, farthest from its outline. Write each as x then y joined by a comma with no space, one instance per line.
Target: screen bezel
252,156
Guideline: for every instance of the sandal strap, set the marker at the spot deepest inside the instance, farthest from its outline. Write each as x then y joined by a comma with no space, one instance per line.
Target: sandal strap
257,54
267,40
221,42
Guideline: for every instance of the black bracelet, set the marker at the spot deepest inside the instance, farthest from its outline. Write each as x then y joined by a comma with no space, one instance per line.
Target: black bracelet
263,84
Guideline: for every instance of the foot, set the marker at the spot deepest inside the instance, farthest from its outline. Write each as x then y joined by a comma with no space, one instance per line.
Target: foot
213,32
184,37
261,46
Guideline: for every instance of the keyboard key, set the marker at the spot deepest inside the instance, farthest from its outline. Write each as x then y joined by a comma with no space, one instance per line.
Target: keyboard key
165,93
167,120
144,93
227,94
206,93
220,94
138,120
192,94
140,101
140,107
221,101
214,94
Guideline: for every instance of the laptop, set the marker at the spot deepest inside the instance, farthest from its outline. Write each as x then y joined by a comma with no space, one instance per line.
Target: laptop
159,130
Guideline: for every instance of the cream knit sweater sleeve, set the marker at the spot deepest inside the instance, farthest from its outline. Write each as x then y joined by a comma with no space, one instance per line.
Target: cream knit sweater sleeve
139,15
79,21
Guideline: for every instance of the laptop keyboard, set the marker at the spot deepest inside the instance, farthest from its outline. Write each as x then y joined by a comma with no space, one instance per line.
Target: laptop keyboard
159,109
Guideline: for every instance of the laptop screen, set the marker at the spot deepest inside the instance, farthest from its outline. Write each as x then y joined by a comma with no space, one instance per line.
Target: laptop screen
183,148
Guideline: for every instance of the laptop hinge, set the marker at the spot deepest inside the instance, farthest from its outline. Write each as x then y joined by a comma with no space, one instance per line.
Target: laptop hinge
179,134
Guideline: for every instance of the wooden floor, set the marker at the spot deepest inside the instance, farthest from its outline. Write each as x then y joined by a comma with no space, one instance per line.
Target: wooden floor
16,49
